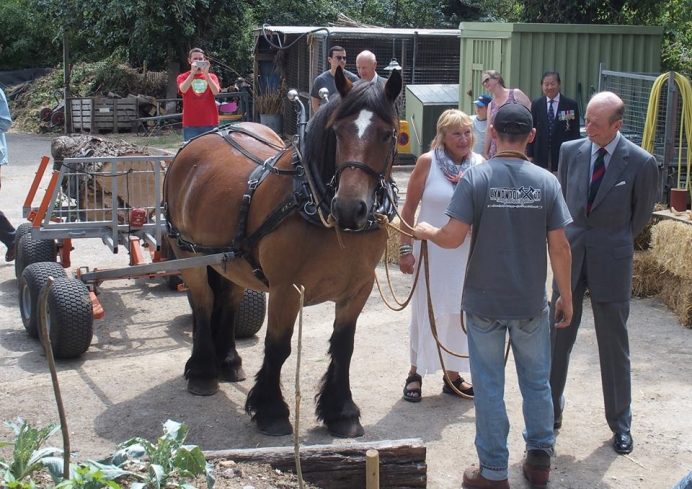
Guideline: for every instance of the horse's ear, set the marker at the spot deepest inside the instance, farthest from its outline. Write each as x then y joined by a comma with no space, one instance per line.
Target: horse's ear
392,88
343,84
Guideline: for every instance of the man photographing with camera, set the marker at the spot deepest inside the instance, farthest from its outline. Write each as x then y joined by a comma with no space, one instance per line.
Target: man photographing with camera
198,88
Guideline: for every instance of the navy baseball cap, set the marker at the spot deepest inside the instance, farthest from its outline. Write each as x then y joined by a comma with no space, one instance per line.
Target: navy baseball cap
483,101
513,118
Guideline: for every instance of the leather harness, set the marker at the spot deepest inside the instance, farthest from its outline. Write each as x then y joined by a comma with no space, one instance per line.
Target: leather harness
302,199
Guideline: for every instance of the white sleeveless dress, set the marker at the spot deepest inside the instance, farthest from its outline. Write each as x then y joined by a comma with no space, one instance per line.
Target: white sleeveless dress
447,272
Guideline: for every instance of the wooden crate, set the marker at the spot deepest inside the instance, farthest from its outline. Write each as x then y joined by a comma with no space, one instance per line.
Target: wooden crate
98,114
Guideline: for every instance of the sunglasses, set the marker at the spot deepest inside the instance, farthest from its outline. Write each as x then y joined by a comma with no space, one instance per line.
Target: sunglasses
483,82
340,58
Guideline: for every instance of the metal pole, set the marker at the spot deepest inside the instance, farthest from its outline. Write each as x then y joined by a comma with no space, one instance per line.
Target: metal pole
66,81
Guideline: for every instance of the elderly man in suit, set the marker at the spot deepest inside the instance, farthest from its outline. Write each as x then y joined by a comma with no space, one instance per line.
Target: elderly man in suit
610,187
556,119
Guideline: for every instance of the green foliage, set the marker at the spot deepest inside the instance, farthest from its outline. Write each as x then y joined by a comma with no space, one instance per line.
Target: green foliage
167,459
26,40
166,463
88,477
27,455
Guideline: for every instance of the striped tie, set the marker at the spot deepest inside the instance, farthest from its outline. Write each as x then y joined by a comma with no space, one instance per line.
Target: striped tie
597,177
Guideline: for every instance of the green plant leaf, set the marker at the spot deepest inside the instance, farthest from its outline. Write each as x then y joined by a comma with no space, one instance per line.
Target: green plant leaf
157,475
176,431
191,461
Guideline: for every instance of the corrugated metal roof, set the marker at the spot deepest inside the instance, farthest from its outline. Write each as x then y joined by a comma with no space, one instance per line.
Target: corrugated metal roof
435,94
358,31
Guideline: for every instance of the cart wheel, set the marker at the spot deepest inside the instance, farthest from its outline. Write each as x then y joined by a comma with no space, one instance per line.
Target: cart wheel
22,229
45,114
250,315
33,278
33,251
57,119
69,318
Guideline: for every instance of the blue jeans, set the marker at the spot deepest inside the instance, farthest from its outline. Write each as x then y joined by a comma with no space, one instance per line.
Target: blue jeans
685,482
190,132
531,350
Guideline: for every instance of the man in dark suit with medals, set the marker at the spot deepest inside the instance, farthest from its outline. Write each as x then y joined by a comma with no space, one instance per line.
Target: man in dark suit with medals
556,119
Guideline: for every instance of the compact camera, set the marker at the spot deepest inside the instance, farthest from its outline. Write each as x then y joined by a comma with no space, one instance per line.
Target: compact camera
201,64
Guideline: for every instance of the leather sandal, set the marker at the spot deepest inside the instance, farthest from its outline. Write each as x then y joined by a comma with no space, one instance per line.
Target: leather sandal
465,393
414,394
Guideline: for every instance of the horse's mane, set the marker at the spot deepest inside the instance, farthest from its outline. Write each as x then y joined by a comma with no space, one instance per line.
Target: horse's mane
320,142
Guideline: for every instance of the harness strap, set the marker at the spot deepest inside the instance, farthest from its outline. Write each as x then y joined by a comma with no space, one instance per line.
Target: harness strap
233,128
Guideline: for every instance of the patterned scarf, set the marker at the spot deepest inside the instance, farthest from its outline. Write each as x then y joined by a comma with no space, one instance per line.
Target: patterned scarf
451,170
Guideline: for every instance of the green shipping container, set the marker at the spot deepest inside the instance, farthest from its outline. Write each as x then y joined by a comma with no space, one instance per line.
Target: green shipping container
523,52
424,105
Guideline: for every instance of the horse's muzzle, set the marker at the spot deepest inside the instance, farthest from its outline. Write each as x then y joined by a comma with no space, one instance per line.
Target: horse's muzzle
350,214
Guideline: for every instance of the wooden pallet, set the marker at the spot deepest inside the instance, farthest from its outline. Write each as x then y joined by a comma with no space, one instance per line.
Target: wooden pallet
98,114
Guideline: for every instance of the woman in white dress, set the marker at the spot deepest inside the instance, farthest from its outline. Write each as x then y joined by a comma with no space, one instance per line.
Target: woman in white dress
432,184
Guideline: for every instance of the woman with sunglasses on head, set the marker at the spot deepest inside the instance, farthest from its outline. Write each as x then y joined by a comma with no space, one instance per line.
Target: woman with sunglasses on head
432,184
493,83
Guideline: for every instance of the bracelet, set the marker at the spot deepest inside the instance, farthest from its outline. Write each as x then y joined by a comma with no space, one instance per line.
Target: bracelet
405,249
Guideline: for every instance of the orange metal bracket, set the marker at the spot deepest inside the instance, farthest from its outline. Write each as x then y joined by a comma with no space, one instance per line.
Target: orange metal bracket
46,199
65,250
136,253
96,307
35,183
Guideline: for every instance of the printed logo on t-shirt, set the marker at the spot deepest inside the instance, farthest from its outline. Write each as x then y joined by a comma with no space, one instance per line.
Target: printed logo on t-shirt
527,197
199,85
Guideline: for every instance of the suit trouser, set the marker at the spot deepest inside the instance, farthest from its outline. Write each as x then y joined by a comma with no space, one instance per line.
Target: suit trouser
6,230
610,323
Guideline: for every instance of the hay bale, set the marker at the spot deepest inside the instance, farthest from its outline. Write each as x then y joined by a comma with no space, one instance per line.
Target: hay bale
676,293
672,245
647,275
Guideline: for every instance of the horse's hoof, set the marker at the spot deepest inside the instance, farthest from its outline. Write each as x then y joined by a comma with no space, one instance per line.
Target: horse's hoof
232,374
346,428
202,387
275,426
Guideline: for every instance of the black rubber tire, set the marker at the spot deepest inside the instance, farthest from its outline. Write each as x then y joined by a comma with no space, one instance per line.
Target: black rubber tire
249,317
69,317
22,229
33,251
33,278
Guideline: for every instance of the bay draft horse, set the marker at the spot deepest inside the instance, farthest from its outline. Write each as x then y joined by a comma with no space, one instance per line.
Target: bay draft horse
350,147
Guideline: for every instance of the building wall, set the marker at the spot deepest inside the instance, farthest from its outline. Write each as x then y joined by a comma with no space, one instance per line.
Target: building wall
522,52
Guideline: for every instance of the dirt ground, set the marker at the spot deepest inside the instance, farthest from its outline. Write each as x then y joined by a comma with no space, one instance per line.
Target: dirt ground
130,380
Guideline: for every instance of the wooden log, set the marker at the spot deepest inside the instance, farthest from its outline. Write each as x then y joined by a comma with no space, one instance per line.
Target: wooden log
401,465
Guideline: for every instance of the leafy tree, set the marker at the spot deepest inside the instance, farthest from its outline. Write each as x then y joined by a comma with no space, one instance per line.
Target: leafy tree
25,37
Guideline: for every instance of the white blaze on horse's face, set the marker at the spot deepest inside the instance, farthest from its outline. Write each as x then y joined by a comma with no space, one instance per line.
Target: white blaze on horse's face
363,122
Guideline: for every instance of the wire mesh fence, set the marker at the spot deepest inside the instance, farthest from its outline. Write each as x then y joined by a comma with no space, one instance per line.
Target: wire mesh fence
635,89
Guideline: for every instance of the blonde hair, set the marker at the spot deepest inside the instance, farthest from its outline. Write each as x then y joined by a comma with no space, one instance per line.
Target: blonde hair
451,118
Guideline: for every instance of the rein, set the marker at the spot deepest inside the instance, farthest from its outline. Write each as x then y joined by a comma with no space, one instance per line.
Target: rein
431,316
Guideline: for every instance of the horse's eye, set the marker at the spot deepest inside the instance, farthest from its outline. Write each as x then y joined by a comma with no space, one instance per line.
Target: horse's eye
386,137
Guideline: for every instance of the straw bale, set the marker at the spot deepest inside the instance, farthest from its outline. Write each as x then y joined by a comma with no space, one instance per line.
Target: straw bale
647,275
676,293
671,242
643,240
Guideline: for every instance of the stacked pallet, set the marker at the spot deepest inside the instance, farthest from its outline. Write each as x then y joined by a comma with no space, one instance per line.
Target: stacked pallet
99,114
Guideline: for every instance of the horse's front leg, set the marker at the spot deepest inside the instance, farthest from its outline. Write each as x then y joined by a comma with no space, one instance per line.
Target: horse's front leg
335,404
265,402
201,370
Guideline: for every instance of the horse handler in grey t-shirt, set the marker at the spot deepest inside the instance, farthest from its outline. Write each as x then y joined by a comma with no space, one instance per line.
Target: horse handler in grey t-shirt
511,208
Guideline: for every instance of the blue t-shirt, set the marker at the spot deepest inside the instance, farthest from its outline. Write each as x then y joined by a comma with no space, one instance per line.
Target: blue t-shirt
327,81
511,204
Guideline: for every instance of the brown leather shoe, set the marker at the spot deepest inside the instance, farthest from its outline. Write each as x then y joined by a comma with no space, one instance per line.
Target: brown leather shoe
474,480
536,468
